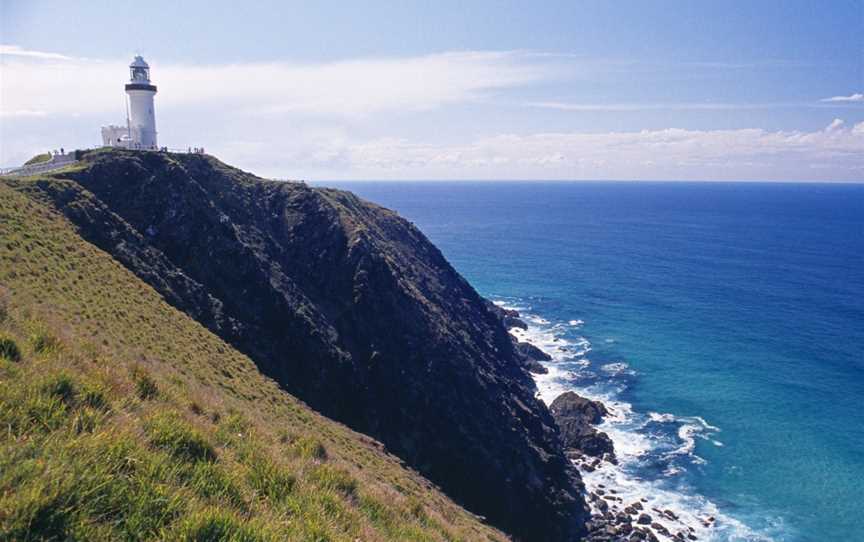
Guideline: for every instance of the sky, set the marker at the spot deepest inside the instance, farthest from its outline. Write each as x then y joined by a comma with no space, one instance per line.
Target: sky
647,90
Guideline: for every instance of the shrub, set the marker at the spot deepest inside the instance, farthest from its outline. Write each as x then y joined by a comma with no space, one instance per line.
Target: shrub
171,433
9,350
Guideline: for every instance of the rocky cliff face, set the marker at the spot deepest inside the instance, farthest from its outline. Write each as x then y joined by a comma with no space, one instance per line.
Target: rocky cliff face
347,306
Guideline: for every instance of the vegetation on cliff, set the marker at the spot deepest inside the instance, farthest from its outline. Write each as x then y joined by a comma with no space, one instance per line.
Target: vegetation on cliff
346,306
124,419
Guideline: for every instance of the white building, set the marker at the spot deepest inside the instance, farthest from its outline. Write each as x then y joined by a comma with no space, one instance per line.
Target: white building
140,129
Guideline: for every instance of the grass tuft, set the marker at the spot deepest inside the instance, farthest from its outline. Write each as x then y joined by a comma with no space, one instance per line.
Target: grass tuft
43,343
211,482
333,478
9,349
308,447
94,397
217,526
145,386
270,480
62,387
169,432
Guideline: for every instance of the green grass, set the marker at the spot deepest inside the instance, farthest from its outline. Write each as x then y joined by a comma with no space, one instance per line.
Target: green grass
218,525
123,419
306,447
169,432
269,479
38,159
42,342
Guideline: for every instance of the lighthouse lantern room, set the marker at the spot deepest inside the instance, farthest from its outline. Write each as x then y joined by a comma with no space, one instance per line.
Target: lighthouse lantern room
140,129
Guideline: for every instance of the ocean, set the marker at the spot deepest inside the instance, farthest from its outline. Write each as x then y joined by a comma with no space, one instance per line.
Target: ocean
723,323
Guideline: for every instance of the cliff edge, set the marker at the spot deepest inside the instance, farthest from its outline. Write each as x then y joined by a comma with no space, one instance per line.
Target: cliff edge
347,306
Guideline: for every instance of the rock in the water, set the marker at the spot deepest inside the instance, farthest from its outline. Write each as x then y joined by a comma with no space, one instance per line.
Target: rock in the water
509,317
572,405
576,417
530,355
532,352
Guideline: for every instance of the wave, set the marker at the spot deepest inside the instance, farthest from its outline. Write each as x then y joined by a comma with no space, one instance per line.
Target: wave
656,451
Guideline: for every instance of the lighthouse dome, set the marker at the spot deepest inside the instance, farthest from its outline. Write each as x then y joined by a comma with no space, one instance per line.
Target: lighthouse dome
139,62
139,71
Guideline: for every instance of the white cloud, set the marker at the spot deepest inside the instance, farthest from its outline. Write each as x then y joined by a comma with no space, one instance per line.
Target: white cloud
316,121
699,106
835,126
349,88
852,98
22,113
14,50
649,154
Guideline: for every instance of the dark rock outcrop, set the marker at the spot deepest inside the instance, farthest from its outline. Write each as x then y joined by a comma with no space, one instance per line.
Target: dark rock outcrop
530,355
576,417
530,351
350,308
509,317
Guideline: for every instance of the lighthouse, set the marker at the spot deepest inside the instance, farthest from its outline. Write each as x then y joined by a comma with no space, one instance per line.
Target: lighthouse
142,116
140,129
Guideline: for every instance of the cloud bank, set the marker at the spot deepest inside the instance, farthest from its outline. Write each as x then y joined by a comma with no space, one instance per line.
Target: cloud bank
376,118
650,154
58,84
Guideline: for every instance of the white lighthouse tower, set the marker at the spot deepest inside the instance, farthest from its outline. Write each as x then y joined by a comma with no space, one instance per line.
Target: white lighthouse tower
142,116
140,129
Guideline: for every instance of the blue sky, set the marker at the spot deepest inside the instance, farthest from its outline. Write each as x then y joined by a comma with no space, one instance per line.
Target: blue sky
476,90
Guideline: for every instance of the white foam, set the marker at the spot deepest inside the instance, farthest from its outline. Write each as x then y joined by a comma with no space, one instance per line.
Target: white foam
617,368
571,370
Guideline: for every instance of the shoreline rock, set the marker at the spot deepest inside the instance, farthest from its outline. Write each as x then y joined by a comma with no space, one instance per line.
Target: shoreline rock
576,417
612,519
528,354
509,317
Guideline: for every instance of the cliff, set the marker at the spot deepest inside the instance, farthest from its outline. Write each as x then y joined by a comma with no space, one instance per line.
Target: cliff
348,307
124,419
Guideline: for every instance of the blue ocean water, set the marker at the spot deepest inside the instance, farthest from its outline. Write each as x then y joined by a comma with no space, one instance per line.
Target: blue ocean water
723,322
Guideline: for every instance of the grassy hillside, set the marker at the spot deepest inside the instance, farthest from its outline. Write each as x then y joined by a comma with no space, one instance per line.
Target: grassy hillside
122,418
345,305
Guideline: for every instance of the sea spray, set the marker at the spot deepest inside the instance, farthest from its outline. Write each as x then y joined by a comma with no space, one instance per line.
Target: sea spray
655,451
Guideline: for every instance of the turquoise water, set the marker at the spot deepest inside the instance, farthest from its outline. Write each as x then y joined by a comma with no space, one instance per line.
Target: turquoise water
725,322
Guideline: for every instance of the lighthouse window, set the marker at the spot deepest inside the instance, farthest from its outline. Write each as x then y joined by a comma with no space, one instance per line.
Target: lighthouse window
139,74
